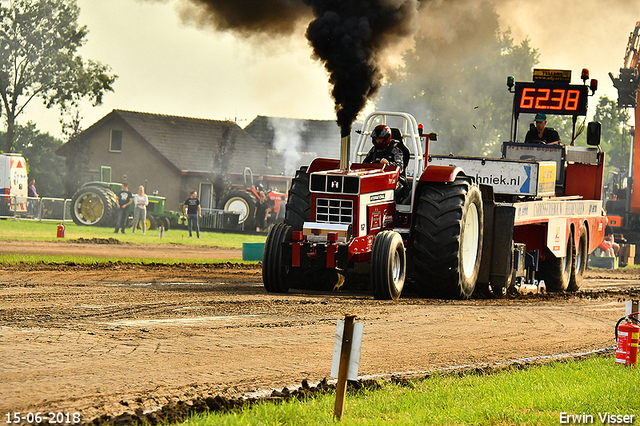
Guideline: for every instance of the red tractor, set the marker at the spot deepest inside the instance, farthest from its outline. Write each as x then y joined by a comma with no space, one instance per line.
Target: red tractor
468,224
244,199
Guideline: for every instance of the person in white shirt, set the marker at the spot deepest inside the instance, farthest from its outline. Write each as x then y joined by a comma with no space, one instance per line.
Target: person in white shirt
140,211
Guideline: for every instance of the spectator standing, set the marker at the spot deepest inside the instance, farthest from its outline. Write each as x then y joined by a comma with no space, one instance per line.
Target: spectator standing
124,200
32,195
259,186
261,212
140,211
282,209
193,211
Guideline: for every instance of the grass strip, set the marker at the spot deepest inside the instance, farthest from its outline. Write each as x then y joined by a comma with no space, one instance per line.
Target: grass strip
581,391
30,230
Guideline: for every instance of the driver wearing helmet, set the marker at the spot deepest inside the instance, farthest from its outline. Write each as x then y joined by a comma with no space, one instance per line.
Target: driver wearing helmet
385,150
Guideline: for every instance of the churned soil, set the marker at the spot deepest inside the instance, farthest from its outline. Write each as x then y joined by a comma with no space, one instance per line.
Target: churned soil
120,342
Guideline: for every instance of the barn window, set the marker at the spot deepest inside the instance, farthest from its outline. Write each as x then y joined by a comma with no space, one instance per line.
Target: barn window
115,143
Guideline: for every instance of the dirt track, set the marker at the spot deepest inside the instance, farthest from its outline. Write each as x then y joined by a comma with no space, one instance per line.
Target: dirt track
108,340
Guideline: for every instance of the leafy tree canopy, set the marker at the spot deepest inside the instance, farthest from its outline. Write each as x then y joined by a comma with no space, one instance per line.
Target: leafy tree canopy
39,40
616,133
454,80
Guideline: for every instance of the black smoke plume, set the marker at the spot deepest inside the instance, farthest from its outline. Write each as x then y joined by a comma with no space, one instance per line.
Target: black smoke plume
252,17
348,36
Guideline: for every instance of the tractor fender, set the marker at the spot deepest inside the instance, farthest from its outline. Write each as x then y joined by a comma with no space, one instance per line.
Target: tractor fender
441,173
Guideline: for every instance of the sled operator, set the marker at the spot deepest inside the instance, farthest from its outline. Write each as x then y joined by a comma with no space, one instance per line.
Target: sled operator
542,133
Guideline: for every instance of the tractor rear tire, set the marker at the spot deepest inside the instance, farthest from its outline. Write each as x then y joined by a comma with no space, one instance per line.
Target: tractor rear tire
557,271
448,239
94,206
388,266
299,201
298,212
243,203
577,276
275,273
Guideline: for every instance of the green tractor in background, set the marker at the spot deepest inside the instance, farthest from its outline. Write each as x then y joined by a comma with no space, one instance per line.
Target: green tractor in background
95,204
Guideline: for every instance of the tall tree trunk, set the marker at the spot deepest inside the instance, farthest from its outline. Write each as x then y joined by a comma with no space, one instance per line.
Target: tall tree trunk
9,137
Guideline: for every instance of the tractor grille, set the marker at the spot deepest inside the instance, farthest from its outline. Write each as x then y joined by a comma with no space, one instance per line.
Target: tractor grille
334,211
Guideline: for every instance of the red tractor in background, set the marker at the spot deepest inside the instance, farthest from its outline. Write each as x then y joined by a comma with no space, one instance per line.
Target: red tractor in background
243,200
524,222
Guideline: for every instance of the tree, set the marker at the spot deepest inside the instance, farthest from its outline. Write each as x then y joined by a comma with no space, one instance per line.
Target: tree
456,84
76,157
616,133
43,163
38,44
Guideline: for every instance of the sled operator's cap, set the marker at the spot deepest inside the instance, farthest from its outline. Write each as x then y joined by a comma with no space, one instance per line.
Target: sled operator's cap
541,117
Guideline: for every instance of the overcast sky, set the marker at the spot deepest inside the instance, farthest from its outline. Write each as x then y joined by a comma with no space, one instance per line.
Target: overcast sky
170,67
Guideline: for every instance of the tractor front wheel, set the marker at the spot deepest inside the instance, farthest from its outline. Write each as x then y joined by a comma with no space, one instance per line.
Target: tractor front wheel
388,266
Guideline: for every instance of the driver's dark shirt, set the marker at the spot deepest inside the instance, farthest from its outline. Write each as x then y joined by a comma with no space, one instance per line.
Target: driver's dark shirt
548,135
392,153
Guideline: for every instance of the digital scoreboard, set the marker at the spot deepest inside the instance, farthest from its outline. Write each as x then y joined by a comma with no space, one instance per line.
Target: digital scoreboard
551,98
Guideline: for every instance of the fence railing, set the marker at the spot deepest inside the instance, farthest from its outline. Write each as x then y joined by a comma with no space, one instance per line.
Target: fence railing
219,219
35,208
59,210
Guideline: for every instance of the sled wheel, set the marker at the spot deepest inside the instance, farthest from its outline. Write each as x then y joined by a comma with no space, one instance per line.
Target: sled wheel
577,275
556,271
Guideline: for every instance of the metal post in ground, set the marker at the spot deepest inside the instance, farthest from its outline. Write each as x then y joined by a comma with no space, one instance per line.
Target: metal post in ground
345,353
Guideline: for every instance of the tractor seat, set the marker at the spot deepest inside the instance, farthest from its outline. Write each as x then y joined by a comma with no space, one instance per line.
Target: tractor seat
396,135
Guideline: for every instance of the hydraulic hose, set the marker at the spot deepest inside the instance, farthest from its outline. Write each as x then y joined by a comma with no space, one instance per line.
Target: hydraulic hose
628,317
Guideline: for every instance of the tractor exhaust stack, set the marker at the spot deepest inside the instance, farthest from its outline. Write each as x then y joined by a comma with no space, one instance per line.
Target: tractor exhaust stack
345,149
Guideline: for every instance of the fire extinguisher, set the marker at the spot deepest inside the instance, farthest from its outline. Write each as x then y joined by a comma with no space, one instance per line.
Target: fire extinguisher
60,233
627,336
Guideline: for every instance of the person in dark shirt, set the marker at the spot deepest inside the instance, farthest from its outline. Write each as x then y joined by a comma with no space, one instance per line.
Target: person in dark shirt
542,133
387,151
193,211
124,200
261,212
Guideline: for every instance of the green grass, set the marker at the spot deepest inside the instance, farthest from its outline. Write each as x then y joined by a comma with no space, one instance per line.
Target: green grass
29,230
534,396
13,259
